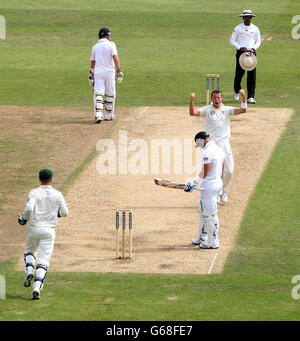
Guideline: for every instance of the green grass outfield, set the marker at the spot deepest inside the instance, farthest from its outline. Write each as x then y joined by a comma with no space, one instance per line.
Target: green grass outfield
166,48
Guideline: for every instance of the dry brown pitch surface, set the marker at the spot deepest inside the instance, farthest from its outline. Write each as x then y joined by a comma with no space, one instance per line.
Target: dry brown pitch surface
164,220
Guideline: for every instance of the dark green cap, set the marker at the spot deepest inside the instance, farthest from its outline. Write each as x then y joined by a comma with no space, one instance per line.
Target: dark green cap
45,174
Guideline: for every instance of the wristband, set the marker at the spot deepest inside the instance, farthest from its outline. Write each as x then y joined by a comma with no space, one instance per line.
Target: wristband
197,180
244,105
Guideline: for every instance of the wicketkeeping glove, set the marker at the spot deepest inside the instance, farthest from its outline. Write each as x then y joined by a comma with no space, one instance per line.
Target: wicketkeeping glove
189,187
21,220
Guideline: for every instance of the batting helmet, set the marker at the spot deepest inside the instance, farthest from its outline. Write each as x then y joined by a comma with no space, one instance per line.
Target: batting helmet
104,32
201,135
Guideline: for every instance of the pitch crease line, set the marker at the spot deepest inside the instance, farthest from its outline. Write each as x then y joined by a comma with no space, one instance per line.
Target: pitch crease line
282,113
142,112
212,263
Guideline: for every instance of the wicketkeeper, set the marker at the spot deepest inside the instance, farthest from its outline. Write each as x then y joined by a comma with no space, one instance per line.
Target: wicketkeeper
44,206
104,59
211,187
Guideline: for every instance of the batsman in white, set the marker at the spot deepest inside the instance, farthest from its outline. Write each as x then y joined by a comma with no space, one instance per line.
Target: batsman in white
44,206
217,125
104,59
211,187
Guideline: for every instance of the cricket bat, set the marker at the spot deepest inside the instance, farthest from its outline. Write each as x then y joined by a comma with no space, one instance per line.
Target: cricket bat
171,184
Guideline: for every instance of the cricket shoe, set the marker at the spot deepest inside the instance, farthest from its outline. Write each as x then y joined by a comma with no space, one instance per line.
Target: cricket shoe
224,197
36,290
195,241
251,100
98,120
236,96
206,246
36,295
109,117
28,279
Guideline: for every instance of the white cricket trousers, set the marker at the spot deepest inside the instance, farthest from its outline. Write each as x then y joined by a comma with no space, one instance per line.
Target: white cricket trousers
210,193
40,239
104,93
229,163
104,83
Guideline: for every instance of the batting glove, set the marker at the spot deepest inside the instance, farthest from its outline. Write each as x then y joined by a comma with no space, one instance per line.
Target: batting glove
189,187
21,220
119,76
91,77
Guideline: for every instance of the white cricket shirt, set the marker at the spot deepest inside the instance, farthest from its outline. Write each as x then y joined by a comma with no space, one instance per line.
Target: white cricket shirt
217,121
43,205
246,36
102,54
213,154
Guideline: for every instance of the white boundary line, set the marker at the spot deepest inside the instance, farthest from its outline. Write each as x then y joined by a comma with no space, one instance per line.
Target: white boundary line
212,263
142,112
282,113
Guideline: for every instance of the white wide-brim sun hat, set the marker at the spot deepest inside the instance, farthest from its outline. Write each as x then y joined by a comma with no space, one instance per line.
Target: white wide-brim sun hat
247,13
248,61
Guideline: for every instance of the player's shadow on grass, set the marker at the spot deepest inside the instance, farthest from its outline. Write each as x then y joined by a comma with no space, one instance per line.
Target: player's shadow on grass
67,122
19,298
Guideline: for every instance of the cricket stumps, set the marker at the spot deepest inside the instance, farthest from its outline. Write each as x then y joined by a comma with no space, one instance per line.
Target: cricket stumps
125,213
210,78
